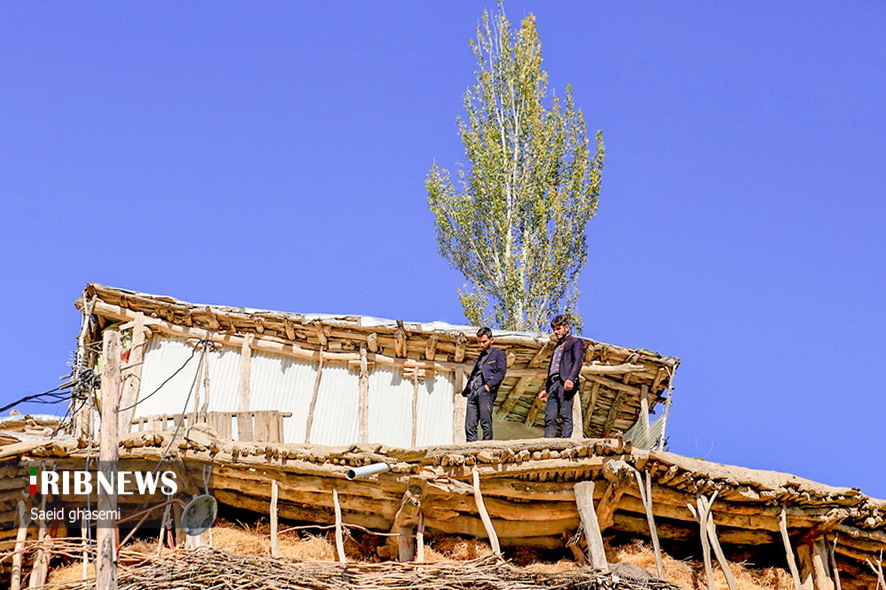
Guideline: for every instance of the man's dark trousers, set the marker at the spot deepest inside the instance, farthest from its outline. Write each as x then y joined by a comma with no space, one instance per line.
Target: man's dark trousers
479,408
559,405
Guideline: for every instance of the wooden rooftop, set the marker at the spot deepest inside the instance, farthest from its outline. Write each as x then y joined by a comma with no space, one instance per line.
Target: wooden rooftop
615,378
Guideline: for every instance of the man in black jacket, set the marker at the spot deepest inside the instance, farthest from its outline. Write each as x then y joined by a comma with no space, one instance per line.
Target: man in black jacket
486,377
562,381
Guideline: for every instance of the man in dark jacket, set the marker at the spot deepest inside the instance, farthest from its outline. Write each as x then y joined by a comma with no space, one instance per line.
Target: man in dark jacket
562,381
483,383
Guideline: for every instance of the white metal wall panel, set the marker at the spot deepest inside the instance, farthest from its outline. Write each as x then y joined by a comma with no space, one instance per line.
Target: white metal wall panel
224,379
163,357
390,407
285,384
436,410
337,415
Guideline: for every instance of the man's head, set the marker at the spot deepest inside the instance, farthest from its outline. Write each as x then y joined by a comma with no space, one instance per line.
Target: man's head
484,337
560,326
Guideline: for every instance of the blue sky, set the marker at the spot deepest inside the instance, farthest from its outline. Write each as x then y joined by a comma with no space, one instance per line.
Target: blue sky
273,155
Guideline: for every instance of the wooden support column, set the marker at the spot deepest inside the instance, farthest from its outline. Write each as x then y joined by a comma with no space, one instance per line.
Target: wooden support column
18,554
460,345
431,347
414,407
789,551
584,499
646,498
484,514
832,547
41,559
613,413
244,398
339,534
591,405
514,396
273,516
620,476
106,566
372,342
578,423
132,375
363,433
400,348
420,539
313,406
537,405
405,521
459,407
813,566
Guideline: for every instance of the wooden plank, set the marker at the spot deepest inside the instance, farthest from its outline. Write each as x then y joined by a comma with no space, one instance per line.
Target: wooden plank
514,396
339,537
577,421
460,404
414,408
262,426
274,492
106,566
792,563
132,375
431,347
18,554
363,433
613,413
484,515
313,405
245,431
243,385
584,499
588,412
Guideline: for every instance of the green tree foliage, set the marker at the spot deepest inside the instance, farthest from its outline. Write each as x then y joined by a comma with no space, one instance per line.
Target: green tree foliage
515,223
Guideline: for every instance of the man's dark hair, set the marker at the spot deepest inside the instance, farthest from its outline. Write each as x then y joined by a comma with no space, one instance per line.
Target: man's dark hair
560,320
484,331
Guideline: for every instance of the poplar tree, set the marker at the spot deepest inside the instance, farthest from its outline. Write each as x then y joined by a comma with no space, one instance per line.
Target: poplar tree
514,223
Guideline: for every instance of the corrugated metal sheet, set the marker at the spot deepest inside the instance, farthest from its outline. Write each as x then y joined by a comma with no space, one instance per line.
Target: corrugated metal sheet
285,384
390,407
336,417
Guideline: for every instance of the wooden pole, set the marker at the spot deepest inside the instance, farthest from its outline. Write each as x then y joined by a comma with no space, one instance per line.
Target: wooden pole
700,515
244,394
792,562
339,536
41,560
715,544
274,492
646,498
16,580
584,499
420,539
106,568
132,375
484,514
832,548
414,408
459,407
310,423
364,397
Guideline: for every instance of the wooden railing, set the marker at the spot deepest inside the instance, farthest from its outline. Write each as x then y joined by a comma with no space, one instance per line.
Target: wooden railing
257,426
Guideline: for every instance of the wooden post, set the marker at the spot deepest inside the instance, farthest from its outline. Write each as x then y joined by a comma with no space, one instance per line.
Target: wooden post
578,422
420,539
406,519
364,397
106,567
244,394
310,422
484,515
414,407
715,544
792,563
832,548
16,580
339,536
132,375
618,473
646,498
701,515
460,405
584,499
274,492
41,560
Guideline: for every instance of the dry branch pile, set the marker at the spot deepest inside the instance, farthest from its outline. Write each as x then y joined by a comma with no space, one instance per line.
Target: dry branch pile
208,568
